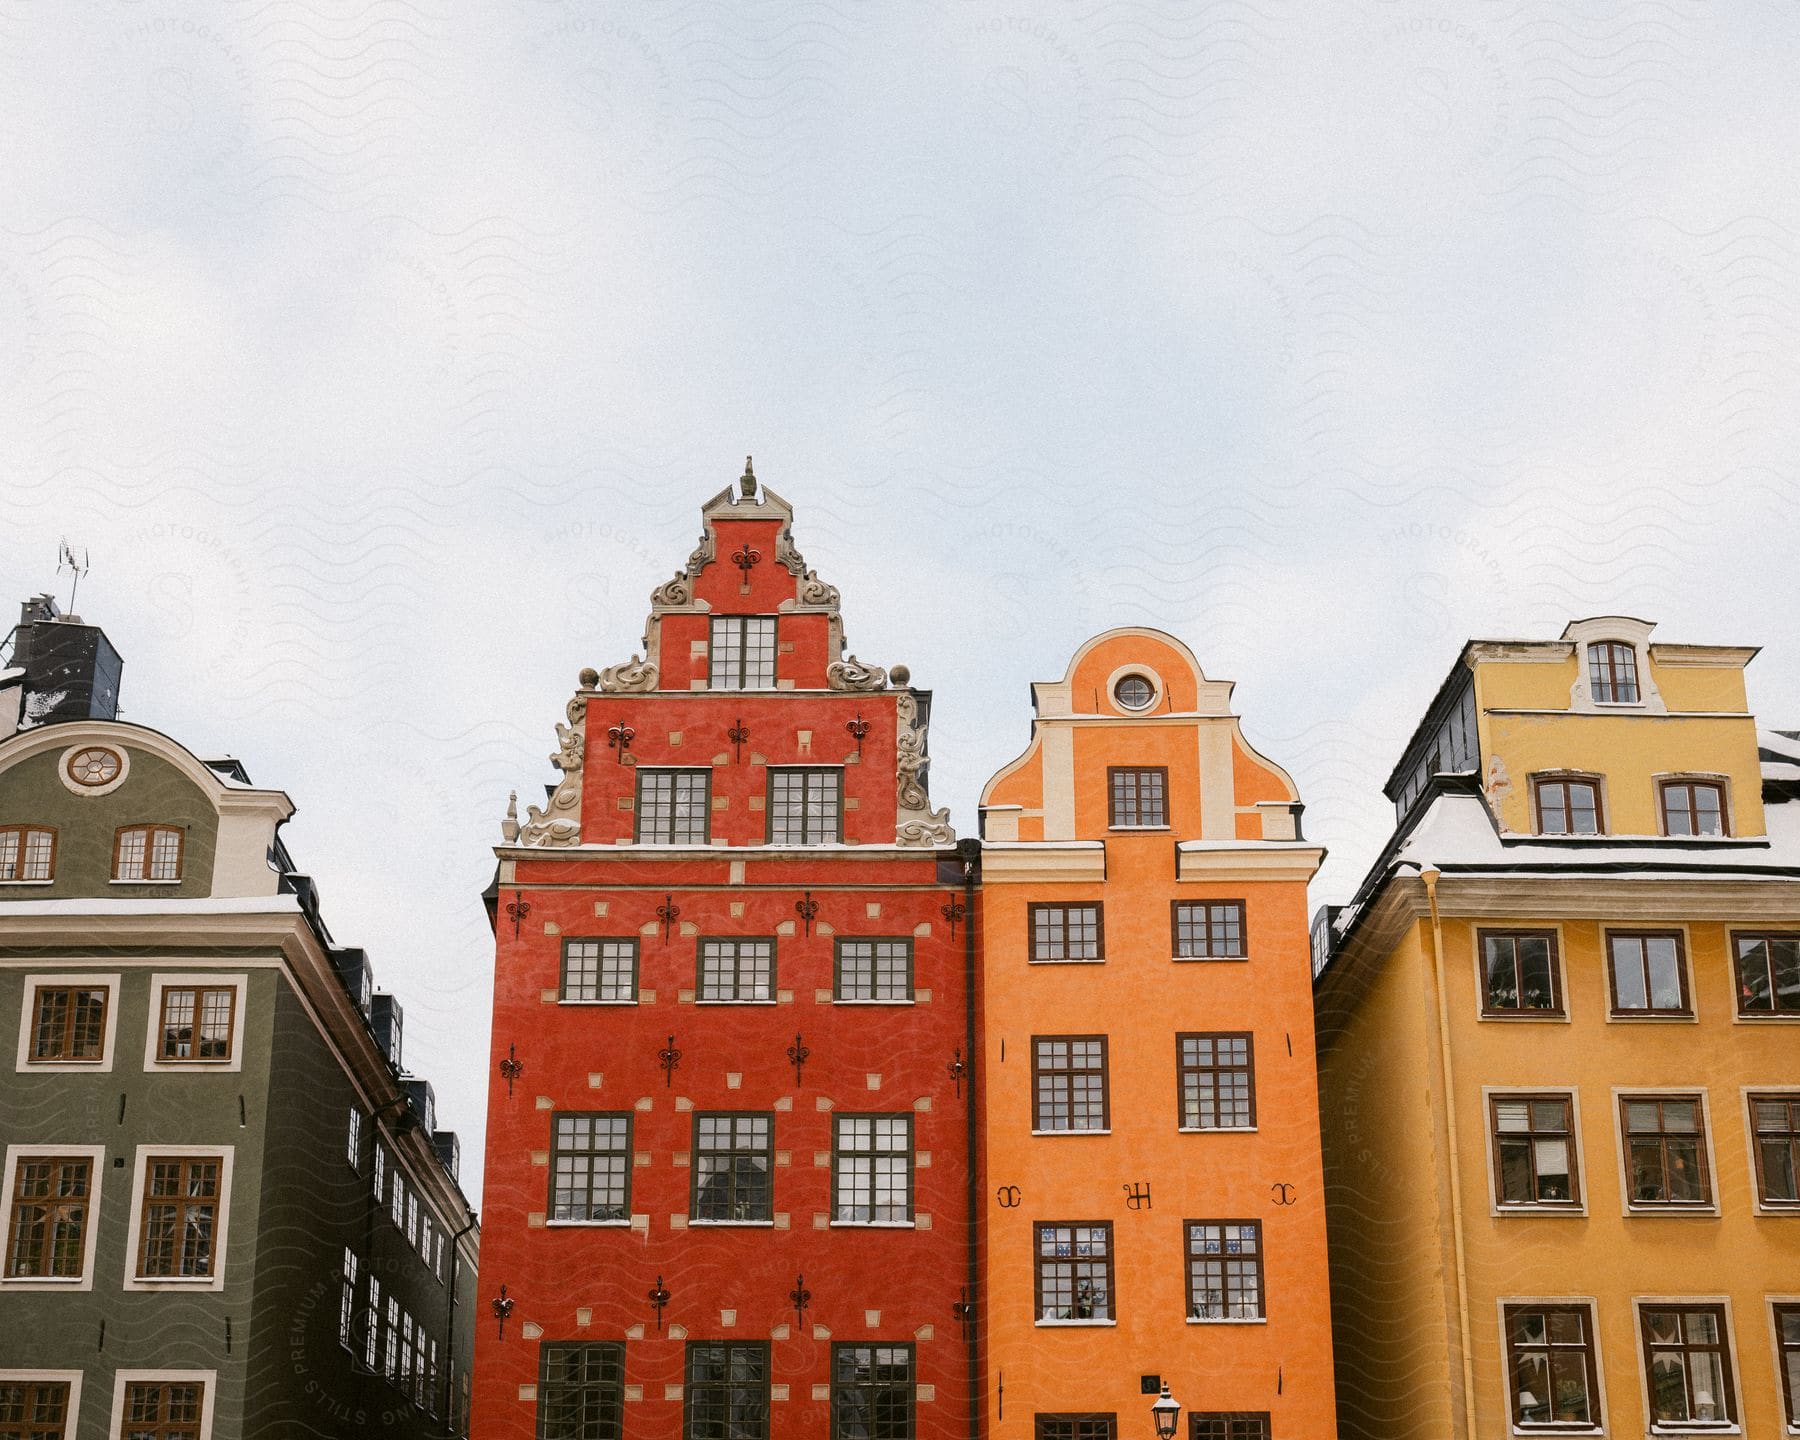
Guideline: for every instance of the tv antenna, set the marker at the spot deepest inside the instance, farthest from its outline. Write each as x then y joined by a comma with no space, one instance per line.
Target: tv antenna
66,561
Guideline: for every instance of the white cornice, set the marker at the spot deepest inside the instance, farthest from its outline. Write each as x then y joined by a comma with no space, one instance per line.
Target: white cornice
1249,861
1072,860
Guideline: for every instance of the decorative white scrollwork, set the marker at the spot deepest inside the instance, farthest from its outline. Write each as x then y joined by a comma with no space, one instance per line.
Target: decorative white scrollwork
917,823
851,674
562,825
628,675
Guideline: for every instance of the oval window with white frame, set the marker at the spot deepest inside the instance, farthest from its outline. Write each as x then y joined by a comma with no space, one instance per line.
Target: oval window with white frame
93,769
1134,692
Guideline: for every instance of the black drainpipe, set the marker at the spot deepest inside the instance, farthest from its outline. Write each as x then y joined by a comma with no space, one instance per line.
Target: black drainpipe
450,1335
970,851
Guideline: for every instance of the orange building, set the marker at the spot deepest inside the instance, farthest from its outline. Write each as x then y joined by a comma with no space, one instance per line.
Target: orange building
1155,1205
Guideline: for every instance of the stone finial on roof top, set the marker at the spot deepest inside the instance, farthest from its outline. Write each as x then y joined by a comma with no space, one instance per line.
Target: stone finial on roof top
747,481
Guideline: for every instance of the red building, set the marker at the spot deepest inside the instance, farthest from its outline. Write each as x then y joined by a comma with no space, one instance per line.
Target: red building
728,1189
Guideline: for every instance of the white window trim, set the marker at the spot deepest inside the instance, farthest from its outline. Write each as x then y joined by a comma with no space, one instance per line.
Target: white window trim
1626,1208
1788,1087
1727,800
1638,1302
1601,792
96,1154
1511,1212
89,791
208,1379
1478,955
1598,1398
1770,1301
1738,1017
216,1281
90,978
239,983
71,1378
1638,926
1157,687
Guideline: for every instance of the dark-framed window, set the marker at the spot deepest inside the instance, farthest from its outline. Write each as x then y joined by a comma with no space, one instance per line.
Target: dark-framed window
1568,805
590,1165
34,1409
732,1160
1775,1136
1068,1083
148,852
581,1390
1224,1269
1063,933
741,655
1535,1156
727,1391
1647,973
1665,1150
1768,973
736,969
1552,1367
1687,1358
872,1169
1137,797
1612,672
27,852
1216,1073
1207,929
179,1222
1520,973
870,969
673,807
1074,1270
346,1301
163,1409
600,970
1232,1425
68,1024
872,1392
806,805
197,1023
47,1232
1693,807
1094,1426
1787,1345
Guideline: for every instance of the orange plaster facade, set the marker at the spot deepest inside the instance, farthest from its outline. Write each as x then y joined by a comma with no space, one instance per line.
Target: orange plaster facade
1230,833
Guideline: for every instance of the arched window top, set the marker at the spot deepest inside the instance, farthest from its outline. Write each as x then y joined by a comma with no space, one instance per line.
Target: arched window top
1613,672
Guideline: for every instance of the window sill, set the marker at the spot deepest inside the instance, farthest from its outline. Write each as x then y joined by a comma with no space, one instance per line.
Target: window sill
1139,829
1723,1427
874,1225
1628,1017
1761,1017
1215,1129
1227,1320
117,881
179,1282
1780,1210
836,1001
1050,1133
1209,959
37,1282
1551,1427
1547,1210
731,1224
1529,1017
1098,960
50,881
1709,1211
734,1002
1071,1324
587,1224
563,1000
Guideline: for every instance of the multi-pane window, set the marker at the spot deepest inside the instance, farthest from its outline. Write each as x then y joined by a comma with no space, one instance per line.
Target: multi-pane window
1519,973
1550,1365
673,807
163,1409
397,1200
1787,1345
1768,974
1075,1427
353,1139
732,1159
1137,798
1567,805
1208,929
68,1024
1239,1425
581,1391
1074,1271
742,653
1068,1083
872,1392
1066,932
727,1391
805,805
1612,673
180,1217
390,1346
737,970
379,1183
1665,1150
1648,974
147,852
27,852
1218,1082
1225,1269
47,1231
347,1300
372,1326
197,1022
871,1165
34,1409
600,970
1534,1151
590,1167
1693,807
874,970
1688,1361
1775,1132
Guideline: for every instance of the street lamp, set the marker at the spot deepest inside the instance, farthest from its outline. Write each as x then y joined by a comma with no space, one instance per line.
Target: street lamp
1166,1411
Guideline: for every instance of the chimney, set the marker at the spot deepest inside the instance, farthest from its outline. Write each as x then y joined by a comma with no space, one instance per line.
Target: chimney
60,670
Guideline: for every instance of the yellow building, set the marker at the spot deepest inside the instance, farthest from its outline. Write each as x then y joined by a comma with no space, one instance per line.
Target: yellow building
1559,1037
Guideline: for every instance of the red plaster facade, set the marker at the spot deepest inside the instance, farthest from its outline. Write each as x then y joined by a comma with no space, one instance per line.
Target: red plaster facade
878,865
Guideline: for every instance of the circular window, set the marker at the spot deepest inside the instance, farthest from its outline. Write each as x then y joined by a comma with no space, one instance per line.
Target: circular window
1134,692
94,766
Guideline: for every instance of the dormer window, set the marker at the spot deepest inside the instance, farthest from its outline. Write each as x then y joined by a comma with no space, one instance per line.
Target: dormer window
1694,807
1612,673
27,854
1567,805
147,853
742,653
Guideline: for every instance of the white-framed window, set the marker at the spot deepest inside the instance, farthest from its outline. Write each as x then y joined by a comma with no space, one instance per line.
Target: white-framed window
50,1206
372,1325
380,1182
1550,1351
347,1301
27,855
180,1217
46,1402
353,1138
148,854
68,1021
162,1403
1689,1368
742,653
196,1022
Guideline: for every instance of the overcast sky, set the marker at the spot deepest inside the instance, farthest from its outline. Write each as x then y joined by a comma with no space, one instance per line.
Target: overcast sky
381,355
